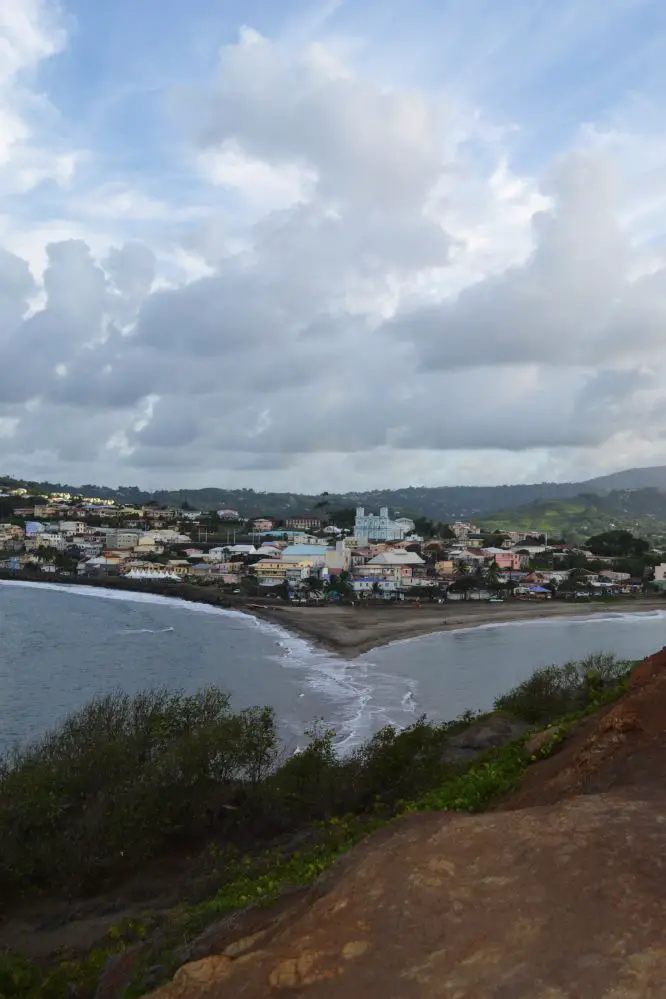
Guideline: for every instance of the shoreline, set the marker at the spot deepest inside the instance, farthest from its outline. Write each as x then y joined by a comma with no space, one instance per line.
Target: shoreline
351,631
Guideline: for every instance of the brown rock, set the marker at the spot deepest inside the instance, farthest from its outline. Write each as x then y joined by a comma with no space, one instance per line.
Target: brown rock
306,969
244,944
199,973
354,949
564,900
648,669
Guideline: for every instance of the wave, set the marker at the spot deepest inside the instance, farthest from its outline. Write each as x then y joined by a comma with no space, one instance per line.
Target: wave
146,631
363,700
367,698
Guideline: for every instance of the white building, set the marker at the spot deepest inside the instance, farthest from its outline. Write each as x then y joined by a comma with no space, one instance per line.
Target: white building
371,527
77,527
396,556
49,539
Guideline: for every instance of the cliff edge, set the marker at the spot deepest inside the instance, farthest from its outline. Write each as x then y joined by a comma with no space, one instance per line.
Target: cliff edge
560,893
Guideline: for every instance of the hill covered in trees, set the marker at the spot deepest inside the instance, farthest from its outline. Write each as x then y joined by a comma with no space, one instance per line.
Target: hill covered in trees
641,511
439,503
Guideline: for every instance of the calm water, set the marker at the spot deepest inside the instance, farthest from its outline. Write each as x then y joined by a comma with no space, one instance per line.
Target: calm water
59,647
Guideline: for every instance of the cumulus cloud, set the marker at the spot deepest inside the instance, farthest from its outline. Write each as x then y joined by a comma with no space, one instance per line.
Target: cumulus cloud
386,299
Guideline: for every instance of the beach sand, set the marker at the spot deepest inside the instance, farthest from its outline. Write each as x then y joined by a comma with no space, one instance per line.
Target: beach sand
349,631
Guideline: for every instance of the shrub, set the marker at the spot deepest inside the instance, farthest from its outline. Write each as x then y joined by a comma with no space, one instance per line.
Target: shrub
117,779
128,777
552,691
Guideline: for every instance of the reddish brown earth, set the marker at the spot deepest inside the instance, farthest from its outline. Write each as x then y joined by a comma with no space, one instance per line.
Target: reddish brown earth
558,894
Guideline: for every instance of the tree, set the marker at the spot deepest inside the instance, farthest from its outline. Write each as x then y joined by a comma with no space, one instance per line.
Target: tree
344,519
479,579
322,503
424,526
496,540
340,585
463,582
313,586
493,577
617,544
376,589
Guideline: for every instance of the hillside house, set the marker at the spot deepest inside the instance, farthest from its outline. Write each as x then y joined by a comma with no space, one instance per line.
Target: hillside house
305,522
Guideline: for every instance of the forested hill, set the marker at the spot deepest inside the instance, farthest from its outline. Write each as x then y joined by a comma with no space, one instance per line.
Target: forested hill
441,503
641,511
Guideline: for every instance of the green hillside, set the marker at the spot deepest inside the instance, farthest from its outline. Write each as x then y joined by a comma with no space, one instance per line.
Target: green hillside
641,511
631,496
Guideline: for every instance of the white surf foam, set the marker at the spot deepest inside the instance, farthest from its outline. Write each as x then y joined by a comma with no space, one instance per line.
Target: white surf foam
362,699
146,631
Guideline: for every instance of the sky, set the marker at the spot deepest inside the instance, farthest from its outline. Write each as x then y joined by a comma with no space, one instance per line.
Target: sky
331,244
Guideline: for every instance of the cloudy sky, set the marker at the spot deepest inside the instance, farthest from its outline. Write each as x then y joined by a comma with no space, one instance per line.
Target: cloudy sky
331,244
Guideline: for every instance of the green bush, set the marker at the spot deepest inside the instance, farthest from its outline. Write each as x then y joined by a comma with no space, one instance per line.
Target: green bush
117,779
128,777
552,691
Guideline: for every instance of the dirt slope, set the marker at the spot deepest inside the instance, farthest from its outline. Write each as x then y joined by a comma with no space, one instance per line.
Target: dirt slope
560,894
623,747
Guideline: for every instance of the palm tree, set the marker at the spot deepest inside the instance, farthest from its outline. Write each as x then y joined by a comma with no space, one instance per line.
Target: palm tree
463,581
493,578
479,579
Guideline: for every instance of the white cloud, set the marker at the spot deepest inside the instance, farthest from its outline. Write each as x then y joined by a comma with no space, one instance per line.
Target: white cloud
30,32
375,292
263,186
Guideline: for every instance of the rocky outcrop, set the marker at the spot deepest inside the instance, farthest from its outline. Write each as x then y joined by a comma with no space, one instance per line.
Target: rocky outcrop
547,903
488,733
559,894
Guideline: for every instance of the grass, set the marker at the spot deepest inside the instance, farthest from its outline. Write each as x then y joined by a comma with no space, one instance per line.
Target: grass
160,737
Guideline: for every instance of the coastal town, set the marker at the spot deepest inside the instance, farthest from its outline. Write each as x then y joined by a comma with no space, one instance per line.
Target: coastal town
350,556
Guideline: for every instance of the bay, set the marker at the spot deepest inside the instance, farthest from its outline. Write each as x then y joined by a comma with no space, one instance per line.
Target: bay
60,646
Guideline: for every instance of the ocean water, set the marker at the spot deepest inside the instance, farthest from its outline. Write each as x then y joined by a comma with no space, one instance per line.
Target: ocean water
60,646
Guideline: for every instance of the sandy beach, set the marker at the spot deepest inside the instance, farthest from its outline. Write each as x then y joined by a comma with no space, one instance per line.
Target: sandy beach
349,631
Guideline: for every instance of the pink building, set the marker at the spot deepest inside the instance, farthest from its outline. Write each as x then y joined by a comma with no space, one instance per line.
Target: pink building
503,559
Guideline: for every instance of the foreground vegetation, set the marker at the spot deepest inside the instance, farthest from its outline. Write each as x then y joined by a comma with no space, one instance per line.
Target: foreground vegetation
129,779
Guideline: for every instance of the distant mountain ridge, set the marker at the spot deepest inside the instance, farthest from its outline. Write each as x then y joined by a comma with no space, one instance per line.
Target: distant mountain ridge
440,503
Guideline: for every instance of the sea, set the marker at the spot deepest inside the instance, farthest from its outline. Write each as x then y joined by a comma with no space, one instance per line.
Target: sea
61,646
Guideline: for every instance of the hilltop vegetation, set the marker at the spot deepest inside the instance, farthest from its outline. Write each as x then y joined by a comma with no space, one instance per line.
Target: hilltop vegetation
439,503
640,511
